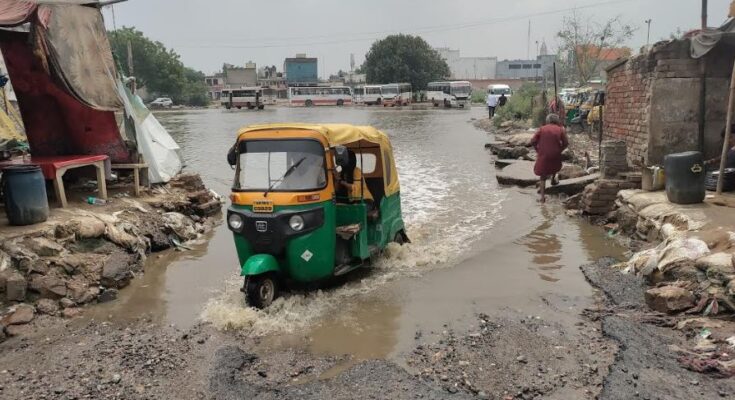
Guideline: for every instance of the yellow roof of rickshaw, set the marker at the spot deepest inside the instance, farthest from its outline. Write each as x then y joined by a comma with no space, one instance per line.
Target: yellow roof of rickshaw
340,135
336,134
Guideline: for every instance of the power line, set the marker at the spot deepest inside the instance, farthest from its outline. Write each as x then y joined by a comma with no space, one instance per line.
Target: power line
355,37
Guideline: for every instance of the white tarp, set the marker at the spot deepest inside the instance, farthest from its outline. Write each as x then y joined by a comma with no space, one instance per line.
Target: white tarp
702,43
158,148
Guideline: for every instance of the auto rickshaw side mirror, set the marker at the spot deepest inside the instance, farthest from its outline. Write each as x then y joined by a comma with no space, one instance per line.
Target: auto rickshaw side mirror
341,156
232,156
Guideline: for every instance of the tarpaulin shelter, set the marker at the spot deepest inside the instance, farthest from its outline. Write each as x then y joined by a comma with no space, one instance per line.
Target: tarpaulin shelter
60,62
708,39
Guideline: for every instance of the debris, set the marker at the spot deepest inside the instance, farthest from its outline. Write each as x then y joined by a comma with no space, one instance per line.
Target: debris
47,306
669,299
15,287
22,314
95,201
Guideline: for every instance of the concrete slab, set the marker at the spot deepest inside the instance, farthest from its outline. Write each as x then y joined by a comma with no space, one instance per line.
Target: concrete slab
572,186
519,173
655,206
504,163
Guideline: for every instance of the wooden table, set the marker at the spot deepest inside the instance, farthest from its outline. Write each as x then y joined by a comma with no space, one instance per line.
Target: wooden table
54,168
136,173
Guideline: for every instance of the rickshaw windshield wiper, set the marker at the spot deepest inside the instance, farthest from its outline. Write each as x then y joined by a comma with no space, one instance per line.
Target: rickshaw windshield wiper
286,174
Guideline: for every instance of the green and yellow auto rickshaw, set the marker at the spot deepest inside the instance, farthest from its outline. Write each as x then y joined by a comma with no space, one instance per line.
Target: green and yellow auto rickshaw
309,203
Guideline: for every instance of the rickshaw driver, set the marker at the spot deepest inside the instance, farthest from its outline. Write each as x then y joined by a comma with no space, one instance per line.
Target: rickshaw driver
352,183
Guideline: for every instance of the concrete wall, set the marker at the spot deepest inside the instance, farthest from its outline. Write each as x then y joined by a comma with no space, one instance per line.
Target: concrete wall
237,77
653,102
468,68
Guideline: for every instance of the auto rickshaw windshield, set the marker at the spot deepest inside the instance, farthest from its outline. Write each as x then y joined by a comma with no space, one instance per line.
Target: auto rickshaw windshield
291,165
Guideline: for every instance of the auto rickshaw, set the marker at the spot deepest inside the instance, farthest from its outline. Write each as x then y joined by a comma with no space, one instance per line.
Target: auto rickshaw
310,203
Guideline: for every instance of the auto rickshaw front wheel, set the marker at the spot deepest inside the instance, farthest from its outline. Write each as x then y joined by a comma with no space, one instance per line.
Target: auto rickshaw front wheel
261,290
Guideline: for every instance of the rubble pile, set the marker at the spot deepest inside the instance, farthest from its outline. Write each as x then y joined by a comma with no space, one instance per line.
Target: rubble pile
690,269
89,256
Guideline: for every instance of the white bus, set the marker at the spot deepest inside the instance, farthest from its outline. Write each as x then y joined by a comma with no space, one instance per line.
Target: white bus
396,94
450,94
373,95
248,97
270,96
309,96
498,90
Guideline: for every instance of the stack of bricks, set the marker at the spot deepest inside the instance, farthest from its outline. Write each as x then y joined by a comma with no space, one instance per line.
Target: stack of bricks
599,197
614,158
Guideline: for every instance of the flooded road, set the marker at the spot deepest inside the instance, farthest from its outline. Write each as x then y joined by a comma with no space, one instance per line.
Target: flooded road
475,246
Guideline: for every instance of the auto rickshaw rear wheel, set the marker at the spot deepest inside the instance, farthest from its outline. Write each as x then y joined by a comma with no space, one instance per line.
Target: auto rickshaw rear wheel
261,290
401,238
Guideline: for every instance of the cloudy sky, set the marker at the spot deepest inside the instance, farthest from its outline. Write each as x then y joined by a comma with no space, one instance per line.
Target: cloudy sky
208,33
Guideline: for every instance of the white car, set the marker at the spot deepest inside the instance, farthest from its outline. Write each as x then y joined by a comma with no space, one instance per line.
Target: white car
162,102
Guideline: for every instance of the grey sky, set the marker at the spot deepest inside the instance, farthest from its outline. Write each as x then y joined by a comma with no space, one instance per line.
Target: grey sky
208,33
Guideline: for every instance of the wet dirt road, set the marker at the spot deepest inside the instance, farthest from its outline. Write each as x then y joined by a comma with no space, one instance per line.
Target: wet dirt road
476,247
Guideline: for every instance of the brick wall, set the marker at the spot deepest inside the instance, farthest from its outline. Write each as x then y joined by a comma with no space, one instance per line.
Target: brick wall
627,105
653,102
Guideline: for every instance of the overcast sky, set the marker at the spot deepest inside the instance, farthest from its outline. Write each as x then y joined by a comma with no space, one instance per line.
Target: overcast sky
208,33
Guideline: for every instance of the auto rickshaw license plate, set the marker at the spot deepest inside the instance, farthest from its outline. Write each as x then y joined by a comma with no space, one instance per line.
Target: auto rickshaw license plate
263,206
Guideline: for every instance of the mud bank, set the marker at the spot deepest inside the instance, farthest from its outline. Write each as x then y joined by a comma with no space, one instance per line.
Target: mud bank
658,356
86,255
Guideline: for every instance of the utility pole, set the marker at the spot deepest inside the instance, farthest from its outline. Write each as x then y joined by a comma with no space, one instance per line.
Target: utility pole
528,48
704,14
131,70
648,38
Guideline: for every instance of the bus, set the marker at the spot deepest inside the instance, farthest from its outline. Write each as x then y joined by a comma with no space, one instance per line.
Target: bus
270,96
373,95
450,94
498,90
396,94
248,97
309,96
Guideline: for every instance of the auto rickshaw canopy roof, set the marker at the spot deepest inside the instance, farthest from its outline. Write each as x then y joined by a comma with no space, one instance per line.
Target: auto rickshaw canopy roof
343,135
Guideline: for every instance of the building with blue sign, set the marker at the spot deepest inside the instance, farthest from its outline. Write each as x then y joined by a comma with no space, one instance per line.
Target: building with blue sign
301,70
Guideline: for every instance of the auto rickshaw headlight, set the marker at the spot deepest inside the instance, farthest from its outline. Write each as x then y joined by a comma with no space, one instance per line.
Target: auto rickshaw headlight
235,221
296,222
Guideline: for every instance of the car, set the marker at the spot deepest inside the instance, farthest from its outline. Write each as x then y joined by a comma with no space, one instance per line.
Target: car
162,102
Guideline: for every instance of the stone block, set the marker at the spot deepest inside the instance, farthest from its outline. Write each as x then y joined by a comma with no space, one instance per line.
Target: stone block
669,299
15,287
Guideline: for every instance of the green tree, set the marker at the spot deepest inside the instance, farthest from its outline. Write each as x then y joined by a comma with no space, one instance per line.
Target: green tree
157,68
404,58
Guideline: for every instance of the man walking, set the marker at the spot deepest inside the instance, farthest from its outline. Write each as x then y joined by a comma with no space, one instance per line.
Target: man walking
492,103
502,100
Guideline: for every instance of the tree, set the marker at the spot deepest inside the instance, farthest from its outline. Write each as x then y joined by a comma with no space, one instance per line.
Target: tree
404,58
157,68
587,44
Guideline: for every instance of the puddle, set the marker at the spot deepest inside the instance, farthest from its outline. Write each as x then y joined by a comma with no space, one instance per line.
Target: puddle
475,246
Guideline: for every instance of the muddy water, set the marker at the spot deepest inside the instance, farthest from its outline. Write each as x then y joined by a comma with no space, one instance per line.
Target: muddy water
475,247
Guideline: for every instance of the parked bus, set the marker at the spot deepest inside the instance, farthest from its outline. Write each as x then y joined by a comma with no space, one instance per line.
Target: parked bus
449,94
373,95
270,96
499,90
396,94
358,94
320,96
248,97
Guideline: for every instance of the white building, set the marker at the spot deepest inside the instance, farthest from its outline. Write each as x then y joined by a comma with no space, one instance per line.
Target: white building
468,68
